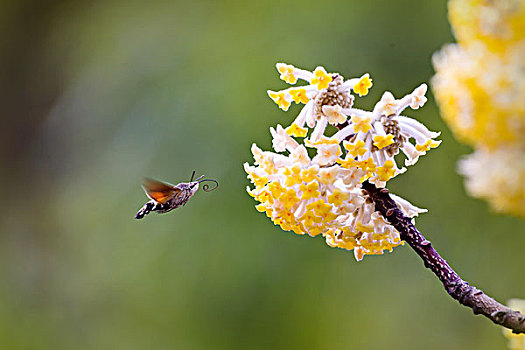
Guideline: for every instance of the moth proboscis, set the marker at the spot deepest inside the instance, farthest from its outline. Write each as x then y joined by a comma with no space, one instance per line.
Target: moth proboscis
165,197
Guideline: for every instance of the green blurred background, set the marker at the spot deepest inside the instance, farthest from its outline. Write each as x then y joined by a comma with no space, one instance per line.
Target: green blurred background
97,94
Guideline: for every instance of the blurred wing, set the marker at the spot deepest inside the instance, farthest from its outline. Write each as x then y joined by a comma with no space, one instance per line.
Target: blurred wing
159,191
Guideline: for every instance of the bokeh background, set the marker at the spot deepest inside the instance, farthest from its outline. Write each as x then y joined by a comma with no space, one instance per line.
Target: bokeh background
97,94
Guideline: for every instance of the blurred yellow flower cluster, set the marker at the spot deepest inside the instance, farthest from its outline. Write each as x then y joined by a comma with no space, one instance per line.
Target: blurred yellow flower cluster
311,184
480,88
516,341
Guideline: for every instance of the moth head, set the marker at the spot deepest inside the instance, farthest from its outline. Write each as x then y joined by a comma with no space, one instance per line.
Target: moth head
194,185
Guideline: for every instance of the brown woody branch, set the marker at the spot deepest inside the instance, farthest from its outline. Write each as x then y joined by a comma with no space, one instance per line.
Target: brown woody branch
465,294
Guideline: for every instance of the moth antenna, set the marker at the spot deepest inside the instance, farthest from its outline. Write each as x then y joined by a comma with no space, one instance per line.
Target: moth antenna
200,177
192,175
206,187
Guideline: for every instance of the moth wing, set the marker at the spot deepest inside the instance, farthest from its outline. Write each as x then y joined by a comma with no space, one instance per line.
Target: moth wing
159,191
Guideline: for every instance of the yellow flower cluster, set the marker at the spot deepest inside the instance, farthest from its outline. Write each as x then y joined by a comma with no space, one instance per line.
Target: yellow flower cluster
516,341
311,184
480,88
498,24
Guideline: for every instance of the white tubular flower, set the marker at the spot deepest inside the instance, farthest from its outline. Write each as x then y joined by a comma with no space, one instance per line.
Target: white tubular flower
334,115
418,98
322,194
300,156
406,207
281,140
387,106
327,154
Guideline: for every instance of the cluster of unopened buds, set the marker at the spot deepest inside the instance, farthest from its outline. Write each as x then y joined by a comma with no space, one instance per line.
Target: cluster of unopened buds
312,183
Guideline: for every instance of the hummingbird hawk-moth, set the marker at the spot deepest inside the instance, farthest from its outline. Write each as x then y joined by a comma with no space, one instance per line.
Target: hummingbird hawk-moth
166,197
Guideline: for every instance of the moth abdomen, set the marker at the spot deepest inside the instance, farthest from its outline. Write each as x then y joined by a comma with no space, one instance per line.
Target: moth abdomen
145,210
164,207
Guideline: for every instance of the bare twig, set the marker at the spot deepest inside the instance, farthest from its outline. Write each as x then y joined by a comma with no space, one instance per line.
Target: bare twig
465,294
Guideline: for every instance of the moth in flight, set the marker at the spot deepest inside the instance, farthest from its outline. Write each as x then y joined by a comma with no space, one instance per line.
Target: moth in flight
166,197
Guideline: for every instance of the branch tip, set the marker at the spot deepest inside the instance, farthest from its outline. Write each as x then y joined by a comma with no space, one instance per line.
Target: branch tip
460,290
